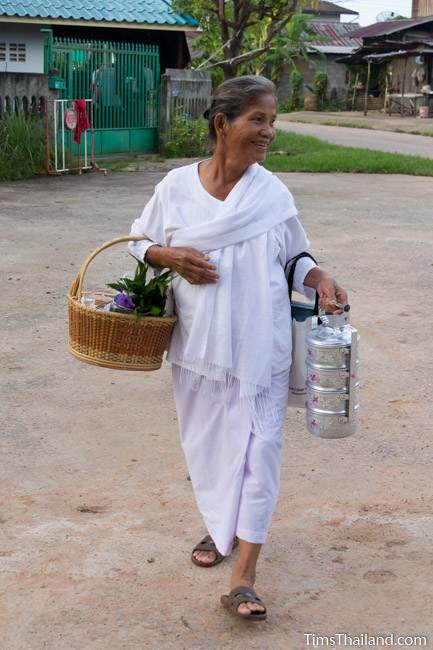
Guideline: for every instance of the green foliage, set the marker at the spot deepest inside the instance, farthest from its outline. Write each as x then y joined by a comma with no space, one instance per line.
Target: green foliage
335,105
235,33
296,90
295,100
291,43
21,146
320,86
186,138
149,297
291,152
284,106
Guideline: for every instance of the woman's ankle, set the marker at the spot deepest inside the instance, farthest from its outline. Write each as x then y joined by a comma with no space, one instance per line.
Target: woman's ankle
247,574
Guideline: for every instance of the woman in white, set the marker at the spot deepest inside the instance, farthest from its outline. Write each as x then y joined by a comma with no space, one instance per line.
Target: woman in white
228,227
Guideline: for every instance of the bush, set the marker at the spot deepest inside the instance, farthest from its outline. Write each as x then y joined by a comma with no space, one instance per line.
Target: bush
296,91
187,138
284,106
320,86
335,104
22,146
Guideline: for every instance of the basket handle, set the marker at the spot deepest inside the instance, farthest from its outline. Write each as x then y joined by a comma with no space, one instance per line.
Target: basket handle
75,290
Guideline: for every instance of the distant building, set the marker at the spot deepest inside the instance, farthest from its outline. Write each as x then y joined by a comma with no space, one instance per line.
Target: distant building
402,50
110,53
333,41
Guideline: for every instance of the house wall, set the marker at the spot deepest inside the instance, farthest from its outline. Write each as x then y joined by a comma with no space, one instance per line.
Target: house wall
337,75
32,52
395,70
15,84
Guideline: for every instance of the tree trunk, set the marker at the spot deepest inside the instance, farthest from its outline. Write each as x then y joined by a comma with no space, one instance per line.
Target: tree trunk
229,70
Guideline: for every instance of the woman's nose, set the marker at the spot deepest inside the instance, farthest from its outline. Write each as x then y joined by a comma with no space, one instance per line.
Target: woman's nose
268,131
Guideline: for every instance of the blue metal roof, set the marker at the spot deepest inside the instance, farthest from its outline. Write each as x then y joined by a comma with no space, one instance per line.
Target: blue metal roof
130,11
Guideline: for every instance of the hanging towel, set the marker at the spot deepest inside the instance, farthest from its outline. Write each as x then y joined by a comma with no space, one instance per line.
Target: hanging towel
82,121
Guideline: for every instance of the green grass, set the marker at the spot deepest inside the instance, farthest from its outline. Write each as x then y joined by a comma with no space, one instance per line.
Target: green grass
291,152
21,146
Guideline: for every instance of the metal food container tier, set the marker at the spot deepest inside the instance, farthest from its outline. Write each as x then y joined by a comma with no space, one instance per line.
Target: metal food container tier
333,378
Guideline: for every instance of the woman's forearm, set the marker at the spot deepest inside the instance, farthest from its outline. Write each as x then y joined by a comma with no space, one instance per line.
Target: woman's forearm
314,276
158,256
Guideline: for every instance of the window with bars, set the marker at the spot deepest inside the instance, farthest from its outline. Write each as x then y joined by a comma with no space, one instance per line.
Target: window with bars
2,51
17,52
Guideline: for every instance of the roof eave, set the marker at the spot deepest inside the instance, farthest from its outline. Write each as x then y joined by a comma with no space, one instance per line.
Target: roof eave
96,23
332,49
395,26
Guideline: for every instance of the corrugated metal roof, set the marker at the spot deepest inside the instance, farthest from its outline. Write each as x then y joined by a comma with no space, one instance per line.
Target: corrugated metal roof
336,35
389,27
131,11
328,8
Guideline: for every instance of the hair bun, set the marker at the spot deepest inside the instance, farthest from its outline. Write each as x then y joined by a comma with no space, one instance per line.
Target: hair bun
206,114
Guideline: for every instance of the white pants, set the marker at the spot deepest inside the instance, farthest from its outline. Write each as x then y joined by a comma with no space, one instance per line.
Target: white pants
234,469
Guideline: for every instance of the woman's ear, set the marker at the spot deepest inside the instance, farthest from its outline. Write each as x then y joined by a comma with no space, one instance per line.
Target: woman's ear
220,124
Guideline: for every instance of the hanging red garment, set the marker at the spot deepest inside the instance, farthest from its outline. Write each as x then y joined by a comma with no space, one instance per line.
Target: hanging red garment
82,121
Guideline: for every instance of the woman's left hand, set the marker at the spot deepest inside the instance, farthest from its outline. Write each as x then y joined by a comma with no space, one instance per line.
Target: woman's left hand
331,293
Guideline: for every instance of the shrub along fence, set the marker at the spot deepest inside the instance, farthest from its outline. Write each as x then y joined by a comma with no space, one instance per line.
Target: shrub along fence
185,95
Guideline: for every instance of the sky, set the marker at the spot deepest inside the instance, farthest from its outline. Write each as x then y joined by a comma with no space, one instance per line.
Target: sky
369,9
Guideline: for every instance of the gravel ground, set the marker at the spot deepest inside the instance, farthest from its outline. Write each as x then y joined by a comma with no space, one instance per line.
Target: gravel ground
97,517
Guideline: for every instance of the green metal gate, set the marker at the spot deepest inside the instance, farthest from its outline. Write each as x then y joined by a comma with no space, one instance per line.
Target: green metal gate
123,80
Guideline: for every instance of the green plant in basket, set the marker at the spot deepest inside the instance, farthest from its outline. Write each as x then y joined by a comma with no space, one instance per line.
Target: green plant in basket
141,297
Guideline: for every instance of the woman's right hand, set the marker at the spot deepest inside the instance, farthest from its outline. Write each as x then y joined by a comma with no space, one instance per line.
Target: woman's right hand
188,262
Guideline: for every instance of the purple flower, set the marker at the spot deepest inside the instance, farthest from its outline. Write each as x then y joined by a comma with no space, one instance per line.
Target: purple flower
123,300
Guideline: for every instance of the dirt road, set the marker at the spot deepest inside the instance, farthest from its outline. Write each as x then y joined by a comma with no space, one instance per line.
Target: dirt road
405,143
97,518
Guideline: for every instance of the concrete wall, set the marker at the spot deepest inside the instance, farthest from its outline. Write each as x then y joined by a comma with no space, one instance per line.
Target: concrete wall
33,40
186,91
337,74
23,85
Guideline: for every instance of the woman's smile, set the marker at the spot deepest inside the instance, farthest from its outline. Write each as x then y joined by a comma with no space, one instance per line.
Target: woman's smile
261,145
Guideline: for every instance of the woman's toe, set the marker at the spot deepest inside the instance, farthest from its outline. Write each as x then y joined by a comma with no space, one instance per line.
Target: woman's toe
255,607
205,556
246,608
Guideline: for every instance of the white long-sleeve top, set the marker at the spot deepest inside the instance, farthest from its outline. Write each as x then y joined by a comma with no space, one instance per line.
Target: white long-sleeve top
160,218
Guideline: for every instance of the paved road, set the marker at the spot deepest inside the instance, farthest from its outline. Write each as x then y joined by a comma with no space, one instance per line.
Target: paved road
368,139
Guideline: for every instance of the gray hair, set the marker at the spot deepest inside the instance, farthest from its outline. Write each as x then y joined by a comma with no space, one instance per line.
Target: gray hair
234,96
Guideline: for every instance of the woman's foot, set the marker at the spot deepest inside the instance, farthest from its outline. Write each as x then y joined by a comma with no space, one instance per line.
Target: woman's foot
208,556
246,579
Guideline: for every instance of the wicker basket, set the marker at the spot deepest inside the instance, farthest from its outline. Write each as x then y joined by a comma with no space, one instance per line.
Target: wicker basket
113,339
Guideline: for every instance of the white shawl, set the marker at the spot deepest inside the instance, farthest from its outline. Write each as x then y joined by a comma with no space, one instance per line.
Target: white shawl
230,340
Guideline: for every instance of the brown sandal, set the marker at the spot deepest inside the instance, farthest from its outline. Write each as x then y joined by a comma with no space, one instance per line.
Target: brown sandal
240,595
207,544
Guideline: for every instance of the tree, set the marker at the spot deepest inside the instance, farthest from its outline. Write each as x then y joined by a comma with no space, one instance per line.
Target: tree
290,44
229,26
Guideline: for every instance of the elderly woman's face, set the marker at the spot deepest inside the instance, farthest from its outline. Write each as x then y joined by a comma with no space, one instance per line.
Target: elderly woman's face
249,135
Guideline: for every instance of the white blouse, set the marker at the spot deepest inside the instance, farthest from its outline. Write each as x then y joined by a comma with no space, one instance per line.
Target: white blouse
192,204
